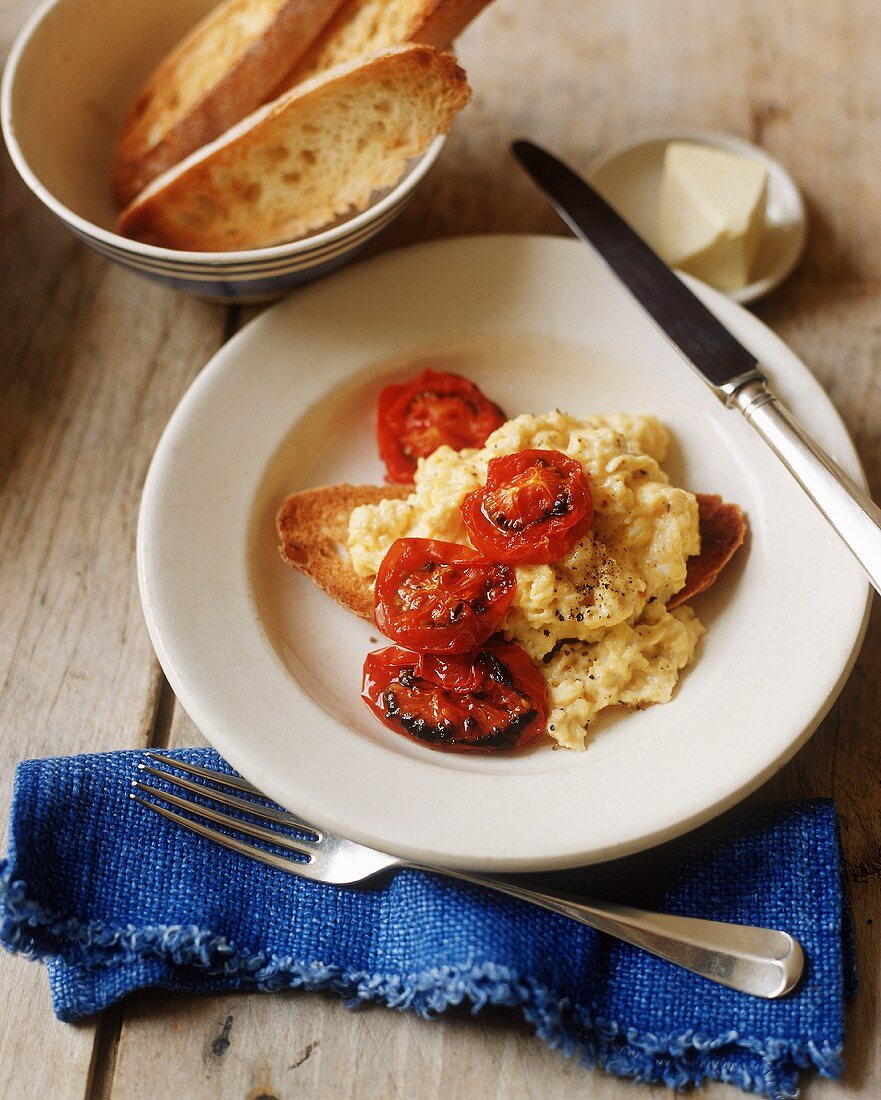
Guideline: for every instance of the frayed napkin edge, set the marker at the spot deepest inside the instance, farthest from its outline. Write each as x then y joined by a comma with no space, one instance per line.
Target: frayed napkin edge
571,1029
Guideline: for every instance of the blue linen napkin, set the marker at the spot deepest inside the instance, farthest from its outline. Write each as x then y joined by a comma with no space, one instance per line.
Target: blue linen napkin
115,898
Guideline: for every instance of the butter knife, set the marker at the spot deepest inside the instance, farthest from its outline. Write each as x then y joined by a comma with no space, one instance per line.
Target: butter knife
732,372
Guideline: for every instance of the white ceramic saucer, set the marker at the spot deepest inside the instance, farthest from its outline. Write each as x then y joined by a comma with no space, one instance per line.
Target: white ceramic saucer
629,177
269,667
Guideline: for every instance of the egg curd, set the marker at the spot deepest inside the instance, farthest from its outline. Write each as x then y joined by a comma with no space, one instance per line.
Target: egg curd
595,622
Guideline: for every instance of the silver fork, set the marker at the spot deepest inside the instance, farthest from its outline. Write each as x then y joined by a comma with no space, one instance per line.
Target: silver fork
760,961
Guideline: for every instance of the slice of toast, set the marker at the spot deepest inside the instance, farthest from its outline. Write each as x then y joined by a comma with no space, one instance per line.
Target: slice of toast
313,529
314,154
226,67
363,27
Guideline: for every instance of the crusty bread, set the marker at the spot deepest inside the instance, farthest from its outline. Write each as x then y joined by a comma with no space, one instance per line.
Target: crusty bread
363,27
221,71
313,529
316,153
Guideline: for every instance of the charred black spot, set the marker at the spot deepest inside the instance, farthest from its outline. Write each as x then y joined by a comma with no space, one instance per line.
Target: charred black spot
220,1045
561,505
417,727
446,731
507,736
497,670
414,725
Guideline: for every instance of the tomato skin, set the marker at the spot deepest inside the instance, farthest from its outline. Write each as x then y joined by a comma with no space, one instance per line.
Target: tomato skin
533,509
440,597
490,700
416,417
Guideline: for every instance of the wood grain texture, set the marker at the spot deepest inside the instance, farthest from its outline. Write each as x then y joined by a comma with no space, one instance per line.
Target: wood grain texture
82,403
93,360
91,364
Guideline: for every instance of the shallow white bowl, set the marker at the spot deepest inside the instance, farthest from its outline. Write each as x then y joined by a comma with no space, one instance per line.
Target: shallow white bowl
629,177
269,667
74,69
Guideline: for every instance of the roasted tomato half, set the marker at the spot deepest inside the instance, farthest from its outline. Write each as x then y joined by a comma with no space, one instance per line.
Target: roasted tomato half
534,507
417,417
489,700
440,597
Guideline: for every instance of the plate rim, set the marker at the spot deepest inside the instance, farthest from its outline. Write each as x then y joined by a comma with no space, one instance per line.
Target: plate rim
238,757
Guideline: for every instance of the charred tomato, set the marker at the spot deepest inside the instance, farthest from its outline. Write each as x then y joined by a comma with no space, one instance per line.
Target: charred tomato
534,507
486,701
417,417
440,597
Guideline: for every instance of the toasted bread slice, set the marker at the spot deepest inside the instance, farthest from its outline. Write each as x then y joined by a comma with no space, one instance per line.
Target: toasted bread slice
314,154
313,529
364,27
723,529
221,71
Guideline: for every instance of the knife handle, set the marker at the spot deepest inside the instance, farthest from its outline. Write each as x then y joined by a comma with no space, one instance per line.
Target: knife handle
849,509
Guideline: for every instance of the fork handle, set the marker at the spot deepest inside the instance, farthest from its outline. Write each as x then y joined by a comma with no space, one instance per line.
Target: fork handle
761,961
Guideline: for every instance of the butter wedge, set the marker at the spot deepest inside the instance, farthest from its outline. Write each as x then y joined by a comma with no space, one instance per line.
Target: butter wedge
712,213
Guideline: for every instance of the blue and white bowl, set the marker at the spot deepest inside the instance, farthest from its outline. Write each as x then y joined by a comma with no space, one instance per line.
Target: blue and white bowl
74,69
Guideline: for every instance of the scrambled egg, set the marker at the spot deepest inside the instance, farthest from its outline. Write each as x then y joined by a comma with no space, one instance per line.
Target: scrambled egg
595,622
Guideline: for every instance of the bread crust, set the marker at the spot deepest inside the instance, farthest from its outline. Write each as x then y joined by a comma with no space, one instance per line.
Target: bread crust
159,132
241,191
444,21
435,23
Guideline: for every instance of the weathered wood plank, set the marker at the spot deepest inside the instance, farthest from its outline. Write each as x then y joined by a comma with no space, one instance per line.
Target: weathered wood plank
81,410
91,363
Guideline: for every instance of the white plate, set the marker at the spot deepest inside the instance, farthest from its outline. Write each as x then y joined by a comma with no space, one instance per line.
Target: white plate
269,668
629,177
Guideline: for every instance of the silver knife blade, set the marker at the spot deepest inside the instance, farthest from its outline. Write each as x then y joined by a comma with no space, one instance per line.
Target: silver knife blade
704,341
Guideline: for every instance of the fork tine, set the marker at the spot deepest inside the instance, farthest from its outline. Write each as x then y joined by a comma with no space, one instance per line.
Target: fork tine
279,862
265,813
232,781
256,831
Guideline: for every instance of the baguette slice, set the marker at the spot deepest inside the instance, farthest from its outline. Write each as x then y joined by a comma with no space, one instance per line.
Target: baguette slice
363,27
316,153
313,531
221,71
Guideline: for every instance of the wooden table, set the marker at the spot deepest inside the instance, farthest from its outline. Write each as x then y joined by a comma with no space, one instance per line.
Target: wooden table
93,360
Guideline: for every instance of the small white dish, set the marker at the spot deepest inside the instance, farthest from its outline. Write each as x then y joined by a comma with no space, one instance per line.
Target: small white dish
269,667
629,177
71,74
